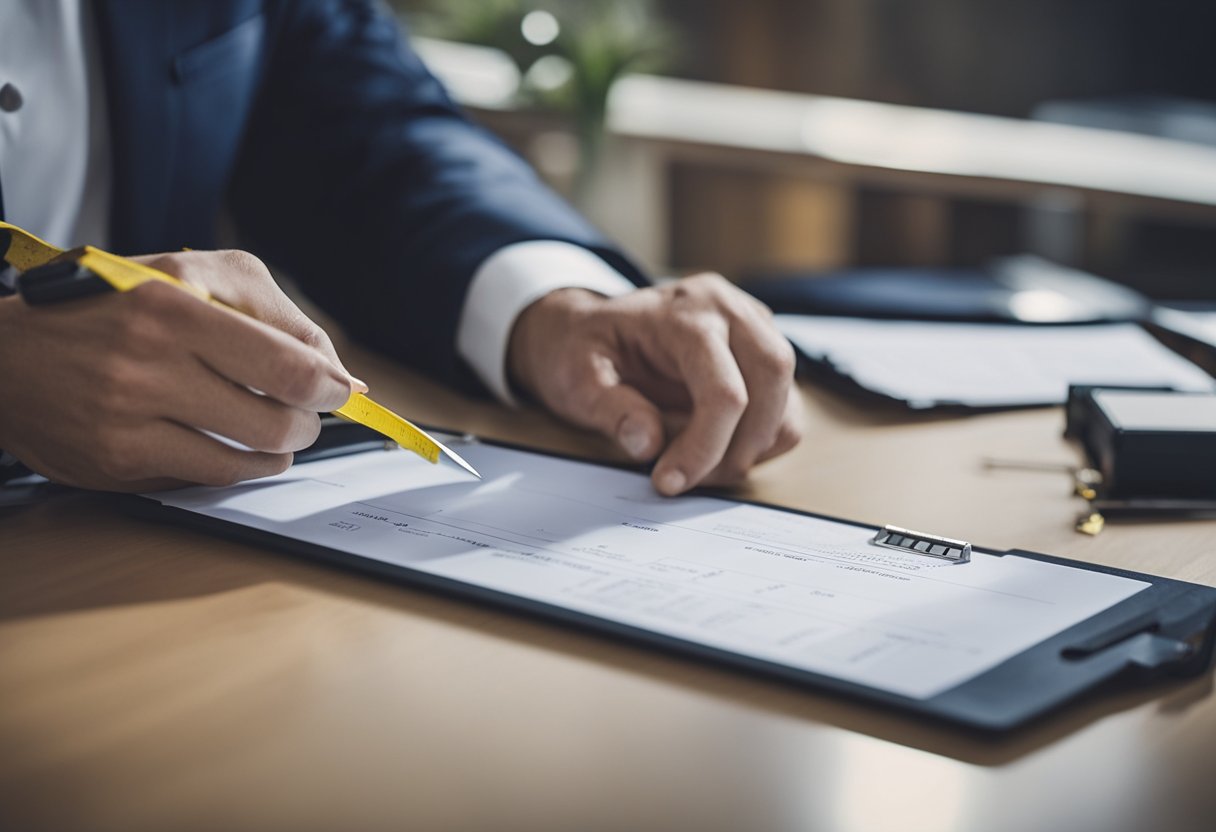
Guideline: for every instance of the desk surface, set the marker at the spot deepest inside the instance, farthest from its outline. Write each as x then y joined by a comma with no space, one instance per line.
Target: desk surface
154,678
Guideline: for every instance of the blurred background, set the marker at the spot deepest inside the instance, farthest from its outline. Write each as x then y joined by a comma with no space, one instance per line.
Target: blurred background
809,135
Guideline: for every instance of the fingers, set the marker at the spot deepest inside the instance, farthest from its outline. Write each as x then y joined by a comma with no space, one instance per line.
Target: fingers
719,397
241,280
767,362
211,403
698,347
254,355
598,399
249,352
178,455
789,434
729,342
185,454
113,393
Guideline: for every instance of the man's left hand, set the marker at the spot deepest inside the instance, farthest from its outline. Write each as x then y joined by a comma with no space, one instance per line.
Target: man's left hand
693,372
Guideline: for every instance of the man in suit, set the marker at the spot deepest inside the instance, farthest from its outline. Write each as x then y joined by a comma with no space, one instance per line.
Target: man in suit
131,124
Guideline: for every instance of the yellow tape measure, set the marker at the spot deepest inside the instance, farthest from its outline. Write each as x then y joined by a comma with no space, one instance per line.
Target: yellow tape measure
25,251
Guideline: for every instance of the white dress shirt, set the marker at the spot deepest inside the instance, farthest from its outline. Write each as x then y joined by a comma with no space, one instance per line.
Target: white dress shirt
55,175
54,166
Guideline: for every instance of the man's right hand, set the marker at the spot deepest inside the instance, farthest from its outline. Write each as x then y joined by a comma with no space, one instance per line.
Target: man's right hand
113,392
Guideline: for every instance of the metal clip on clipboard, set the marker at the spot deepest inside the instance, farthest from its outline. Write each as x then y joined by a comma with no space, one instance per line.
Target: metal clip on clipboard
919,543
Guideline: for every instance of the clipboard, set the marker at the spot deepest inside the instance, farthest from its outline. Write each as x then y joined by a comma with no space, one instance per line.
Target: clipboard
1166,630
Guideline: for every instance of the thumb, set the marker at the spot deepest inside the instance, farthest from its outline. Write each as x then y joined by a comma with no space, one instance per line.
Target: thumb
624,415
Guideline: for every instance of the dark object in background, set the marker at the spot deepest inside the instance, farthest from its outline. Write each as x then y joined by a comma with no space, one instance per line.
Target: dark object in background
1022,289
1147,443
1164,257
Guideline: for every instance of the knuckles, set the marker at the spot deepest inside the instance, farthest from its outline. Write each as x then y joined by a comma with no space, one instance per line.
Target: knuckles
299,379
174,263
243,261
202,268
706,289
156,298
313,336
705,281
187,266
698,325
727,396
712,281
778,359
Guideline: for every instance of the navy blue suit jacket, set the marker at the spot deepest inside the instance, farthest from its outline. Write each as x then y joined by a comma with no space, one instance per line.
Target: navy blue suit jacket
341,159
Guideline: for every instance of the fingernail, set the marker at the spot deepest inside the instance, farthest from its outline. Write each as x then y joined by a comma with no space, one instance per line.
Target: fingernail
672,482
359,385
634,439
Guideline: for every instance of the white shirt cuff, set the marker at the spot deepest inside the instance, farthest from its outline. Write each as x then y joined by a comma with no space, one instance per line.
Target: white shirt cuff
506,284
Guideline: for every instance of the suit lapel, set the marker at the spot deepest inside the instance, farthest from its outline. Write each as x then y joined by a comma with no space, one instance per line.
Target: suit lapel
136,41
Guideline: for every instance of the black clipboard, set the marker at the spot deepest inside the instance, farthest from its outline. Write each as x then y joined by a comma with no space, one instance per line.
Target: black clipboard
1166,630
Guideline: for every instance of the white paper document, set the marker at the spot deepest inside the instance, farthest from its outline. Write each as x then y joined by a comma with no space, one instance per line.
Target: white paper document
808,593
988,365
1198,325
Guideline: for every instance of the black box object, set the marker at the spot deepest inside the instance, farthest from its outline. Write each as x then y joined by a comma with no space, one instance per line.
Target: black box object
1147,442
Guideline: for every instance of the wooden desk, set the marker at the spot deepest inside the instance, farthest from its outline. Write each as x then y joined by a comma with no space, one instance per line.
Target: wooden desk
153,678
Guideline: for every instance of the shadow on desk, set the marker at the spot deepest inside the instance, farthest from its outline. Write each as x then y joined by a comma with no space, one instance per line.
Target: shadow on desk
163,563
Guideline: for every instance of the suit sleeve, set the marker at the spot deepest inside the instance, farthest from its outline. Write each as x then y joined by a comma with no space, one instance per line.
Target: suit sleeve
360,178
